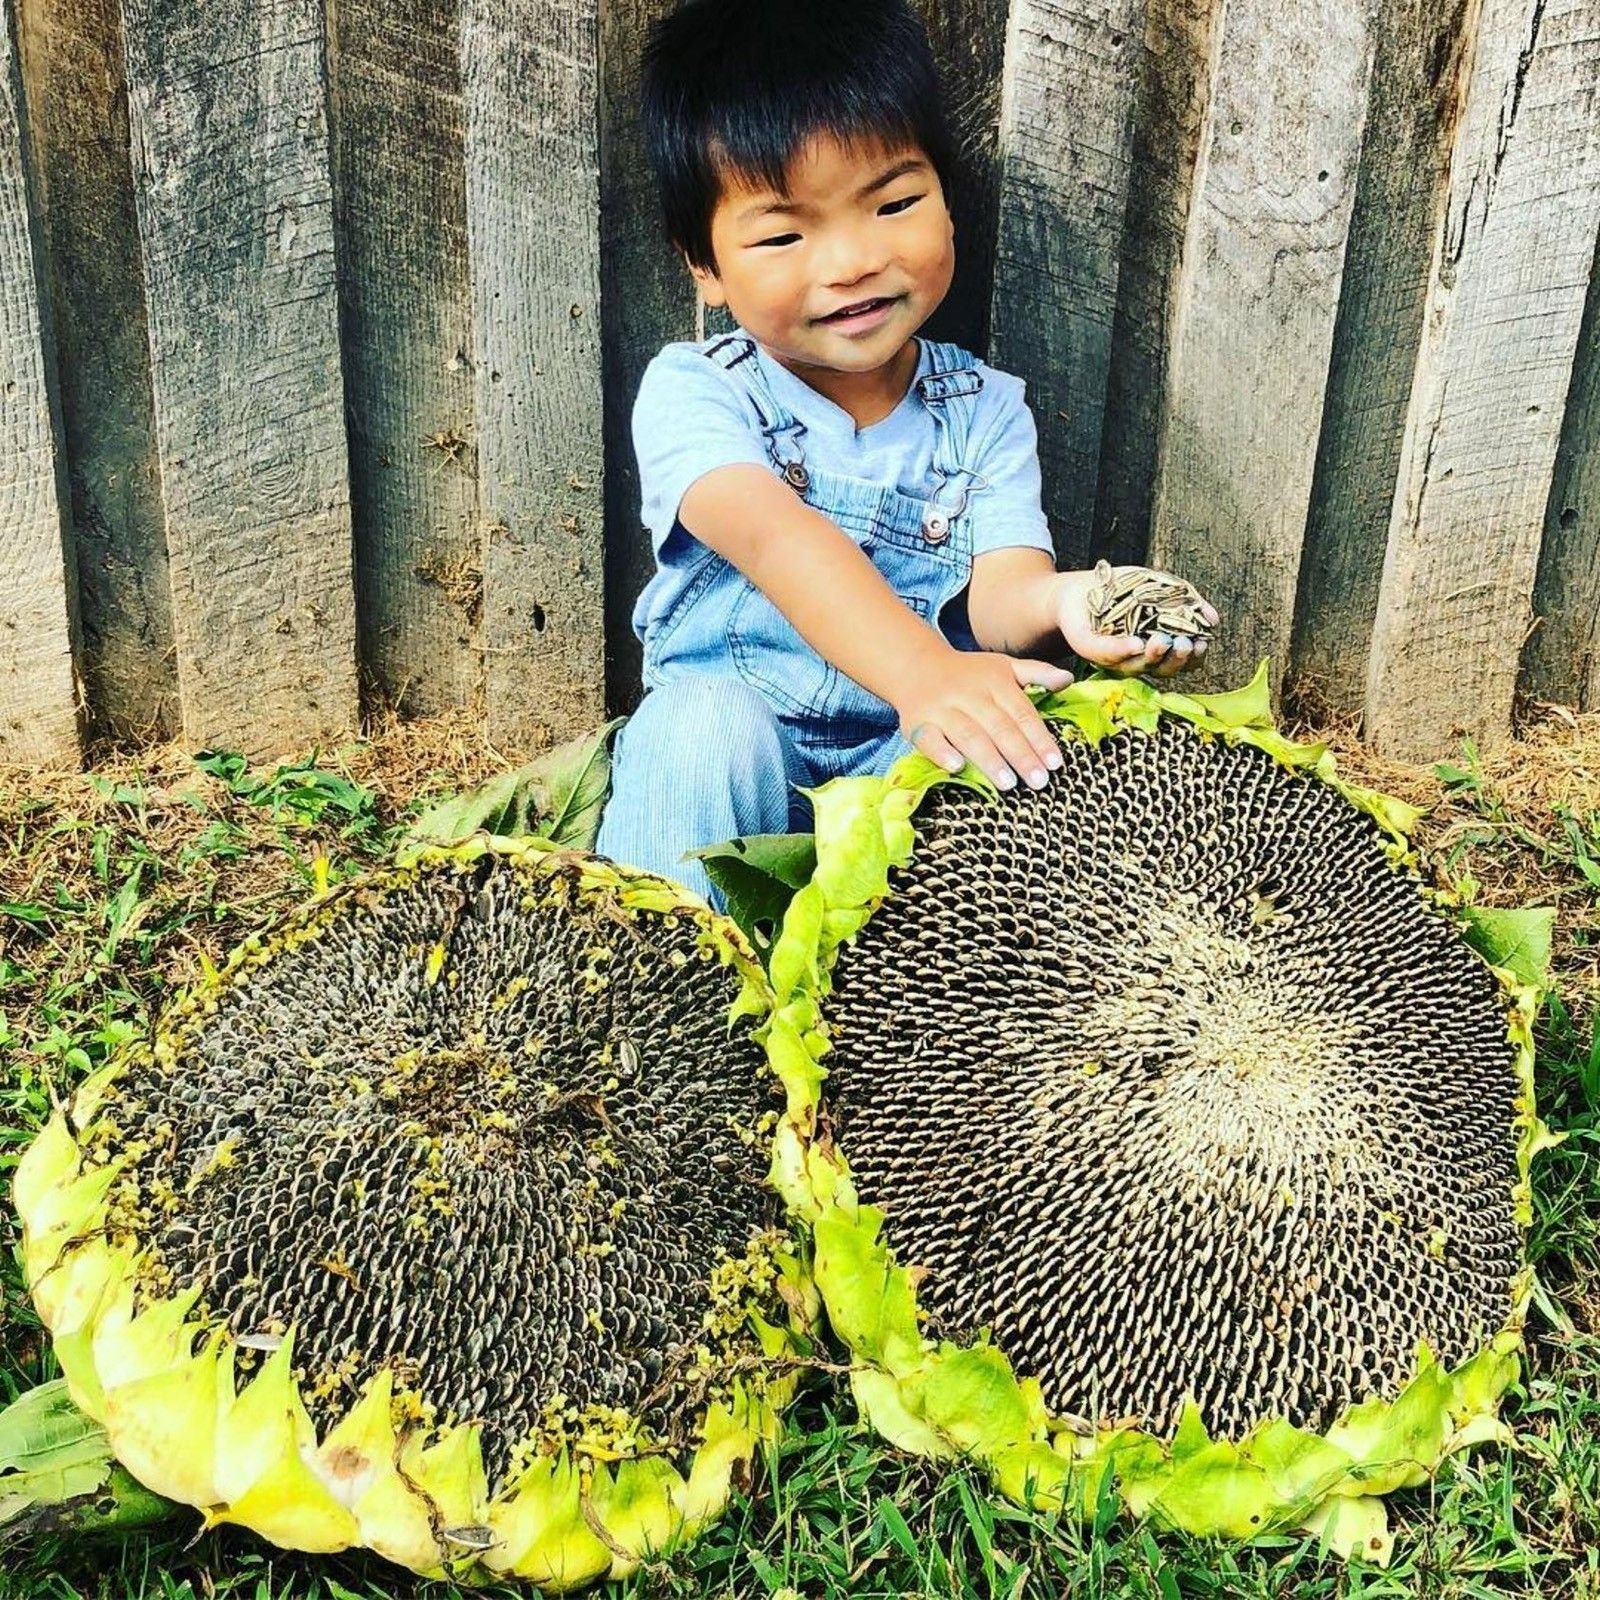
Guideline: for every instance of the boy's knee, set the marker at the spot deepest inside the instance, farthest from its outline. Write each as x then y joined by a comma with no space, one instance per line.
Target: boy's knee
700,761
704,725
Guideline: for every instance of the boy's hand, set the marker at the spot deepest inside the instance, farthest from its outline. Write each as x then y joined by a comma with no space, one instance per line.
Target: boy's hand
1160,655
969,706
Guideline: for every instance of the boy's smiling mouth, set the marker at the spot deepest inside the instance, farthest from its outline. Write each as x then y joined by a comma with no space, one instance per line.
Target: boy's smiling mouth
860,312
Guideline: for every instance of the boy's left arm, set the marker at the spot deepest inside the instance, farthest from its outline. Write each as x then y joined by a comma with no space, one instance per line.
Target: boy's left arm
1020,604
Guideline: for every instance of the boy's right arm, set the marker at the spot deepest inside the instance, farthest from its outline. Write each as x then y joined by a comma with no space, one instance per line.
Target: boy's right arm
952,704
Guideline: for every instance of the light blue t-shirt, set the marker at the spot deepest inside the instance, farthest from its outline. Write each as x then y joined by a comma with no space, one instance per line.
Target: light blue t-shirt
692,416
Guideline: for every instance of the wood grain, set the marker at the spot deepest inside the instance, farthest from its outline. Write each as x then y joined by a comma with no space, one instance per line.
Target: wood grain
38,709
648,300
1410,476
1254,315
967,38
406,328
73,80
1172,93
1423,51
1065,147
1506,297
227,111
1563,655
529,72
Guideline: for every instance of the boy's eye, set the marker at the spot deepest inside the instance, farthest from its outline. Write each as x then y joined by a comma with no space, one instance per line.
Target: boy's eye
778,238
895,207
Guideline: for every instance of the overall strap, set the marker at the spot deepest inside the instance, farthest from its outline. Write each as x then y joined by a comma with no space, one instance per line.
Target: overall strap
949,389
736,353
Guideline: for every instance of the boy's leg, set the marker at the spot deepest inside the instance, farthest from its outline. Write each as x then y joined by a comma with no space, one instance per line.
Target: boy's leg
870,758
887,753
702,760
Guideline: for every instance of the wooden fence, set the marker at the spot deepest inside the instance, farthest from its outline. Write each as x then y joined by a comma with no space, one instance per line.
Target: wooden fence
322,321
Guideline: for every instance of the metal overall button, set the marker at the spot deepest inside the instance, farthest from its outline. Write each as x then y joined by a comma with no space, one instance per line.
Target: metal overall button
936,519
796,475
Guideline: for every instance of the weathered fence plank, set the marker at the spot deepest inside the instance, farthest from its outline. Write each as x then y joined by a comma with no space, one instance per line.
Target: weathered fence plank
649,300
38,712
1254,316
530,84
1506,301
73,79
1172,93
968,41
1423,51
1563,658
227,108
406,330
1065,145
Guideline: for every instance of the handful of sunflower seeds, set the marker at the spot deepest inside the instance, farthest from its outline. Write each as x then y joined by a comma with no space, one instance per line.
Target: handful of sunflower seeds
1138,600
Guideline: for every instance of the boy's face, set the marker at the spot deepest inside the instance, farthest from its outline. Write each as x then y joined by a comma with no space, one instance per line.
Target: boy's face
869,226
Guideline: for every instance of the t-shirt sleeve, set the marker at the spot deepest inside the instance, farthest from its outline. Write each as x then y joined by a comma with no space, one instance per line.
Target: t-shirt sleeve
689,417
1006,509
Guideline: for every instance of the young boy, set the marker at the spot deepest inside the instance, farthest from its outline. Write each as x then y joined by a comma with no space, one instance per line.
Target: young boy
851,556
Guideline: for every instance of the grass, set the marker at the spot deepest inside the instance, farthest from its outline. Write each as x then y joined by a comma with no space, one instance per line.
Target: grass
113,883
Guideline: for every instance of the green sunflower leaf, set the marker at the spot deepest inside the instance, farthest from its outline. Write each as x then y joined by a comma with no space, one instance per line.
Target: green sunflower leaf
57,1475
1516,939
557,796
758,876
1247,707
48,1449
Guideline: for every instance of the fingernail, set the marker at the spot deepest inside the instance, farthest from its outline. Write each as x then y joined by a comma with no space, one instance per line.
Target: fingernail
1038,778
1053,760
1007,779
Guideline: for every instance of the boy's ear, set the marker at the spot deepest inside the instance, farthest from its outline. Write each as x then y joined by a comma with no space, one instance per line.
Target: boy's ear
708,283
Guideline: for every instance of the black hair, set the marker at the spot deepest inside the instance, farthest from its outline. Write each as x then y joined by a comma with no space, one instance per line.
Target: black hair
740,86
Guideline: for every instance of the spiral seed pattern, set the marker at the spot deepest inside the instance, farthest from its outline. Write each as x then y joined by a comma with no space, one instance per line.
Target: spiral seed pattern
1167,1076
507,1172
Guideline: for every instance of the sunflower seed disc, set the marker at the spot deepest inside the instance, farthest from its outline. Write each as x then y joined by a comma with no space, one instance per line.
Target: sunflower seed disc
1168,1077
450,1178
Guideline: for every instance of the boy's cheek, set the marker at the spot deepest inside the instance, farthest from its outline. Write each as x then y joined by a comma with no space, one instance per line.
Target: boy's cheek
948,254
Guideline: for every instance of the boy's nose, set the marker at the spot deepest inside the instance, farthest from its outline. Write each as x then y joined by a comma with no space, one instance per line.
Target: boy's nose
852,257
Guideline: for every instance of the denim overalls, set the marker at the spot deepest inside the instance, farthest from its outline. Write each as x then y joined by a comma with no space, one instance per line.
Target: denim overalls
740,708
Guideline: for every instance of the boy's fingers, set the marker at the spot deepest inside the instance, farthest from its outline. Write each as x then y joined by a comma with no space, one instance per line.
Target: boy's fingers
1178,657
1019,735
1016,745
1039,754
1042,674
931,741
1027,717
1125,648
1122,654
974,742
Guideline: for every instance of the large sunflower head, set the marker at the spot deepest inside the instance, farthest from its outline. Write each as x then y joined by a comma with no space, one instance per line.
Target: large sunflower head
436,1223
1173,1088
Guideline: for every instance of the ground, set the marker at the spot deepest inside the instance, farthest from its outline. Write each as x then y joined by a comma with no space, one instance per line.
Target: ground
113,882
